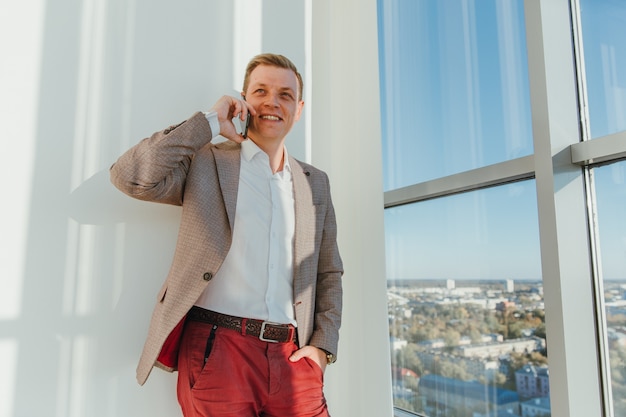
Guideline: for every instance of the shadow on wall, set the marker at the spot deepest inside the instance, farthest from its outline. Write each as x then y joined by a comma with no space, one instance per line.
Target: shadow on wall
108,74
89,289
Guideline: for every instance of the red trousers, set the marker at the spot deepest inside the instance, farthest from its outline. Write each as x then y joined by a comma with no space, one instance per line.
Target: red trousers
243,376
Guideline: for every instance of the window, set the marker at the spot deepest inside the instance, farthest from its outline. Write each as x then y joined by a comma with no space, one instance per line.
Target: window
610,182
466,309
454,87
503,151
602,57
604,31
466,302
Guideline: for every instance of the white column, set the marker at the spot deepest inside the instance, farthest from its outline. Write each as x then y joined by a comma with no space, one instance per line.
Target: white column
345,142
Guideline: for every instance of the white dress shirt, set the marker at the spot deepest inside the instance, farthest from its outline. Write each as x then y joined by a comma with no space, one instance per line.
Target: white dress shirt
255,280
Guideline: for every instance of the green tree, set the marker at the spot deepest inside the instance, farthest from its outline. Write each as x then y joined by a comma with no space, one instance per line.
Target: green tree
410,359
451,338
514,330
540,331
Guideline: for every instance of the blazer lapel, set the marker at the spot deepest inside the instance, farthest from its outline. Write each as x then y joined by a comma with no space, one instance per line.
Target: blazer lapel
305,221
228,162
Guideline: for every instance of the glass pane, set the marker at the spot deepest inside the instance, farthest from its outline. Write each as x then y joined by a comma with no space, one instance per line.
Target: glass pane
454,87
604,33
466,305
610,184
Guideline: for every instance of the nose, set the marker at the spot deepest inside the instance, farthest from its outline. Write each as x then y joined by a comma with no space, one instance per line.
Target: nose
271,100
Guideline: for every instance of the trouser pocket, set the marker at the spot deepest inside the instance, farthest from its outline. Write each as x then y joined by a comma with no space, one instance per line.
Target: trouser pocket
209,344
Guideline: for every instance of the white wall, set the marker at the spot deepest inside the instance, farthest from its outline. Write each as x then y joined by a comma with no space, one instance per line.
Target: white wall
80,263
346,143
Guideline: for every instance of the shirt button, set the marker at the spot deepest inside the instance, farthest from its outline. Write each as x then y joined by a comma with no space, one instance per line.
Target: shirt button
207,276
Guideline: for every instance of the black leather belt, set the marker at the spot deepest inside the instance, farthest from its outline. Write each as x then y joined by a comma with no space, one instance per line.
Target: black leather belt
264,330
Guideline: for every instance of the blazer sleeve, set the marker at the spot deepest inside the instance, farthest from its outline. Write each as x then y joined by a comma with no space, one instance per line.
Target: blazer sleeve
329,294
156,168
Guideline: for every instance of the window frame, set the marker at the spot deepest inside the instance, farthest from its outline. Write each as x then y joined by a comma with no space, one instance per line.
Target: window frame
562,166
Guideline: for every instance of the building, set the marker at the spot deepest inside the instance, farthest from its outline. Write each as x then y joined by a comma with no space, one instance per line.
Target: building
478,368
532,381
397,344
536,407
441,393
509,285
492,350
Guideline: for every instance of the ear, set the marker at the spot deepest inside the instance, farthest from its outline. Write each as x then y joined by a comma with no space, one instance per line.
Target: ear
299,110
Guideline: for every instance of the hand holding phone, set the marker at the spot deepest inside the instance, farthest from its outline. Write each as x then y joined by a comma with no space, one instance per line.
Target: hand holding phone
241,126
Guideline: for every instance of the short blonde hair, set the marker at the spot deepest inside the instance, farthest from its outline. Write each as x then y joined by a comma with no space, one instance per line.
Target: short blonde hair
273,60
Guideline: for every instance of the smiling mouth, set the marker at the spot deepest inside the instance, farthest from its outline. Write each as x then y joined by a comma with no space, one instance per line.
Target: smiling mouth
270,117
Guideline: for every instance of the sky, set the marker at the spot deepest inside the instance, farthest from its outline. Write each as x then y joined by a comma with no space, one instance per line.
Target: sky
455,96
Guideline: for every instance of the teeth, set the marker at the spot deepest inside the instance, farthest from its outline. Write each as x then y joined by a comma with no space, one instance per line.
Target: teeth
270,117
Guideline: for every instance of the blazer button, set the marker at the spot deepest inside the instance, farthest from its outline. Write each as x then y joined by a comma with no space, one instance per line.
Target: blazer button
207,276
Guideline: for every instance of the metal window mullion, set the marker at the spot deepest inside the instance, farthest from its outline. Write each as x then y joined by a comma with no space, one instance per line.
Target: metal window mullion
586,152
598,283
600,150
498,174
561,208
581,77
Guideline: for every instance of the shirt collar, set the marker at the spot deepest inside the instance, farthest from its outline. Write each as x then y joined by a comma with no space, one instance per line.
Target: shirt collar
249,150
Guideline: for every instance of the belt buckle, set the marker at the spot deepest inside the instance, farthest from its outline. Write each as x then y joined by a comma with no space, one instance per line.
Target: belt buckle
262,332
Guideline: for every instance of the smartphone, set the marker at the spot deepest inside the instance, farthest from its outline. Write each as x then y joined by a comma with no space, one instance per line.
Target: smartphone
244,132
242,125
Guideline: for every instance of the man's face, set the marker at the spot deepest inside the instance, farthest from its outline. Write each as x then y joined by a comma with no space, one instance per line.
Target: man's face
273,92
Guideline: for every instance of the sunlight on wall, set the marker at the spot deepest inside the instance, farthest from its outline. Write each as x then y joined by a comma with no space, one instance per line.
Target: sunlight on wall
89,92
80,297
247,35
63,376
83,282
118,263
8,352
73,381
19,84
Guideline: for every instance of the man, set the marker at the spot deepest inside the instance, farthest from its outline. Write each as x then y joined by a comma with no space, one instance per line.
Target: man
250,311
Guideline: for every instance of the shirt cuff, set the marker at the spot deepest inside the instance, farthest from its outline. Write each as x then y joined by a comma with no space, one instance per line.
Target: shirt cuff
211,117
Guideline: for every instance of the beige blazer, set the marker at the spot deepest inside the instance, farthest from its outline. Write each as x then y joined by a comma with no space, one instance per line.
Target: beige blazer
181,166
